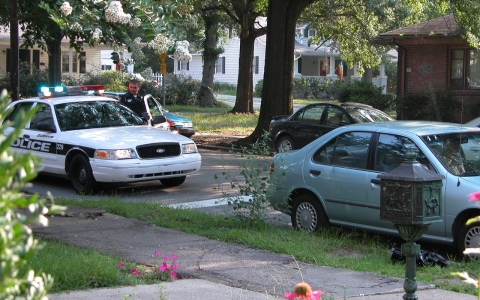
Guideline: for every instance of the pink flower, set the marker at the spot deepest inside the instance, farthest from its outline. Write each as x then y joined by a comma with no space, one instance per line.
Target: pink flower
303,291
163,267
157,253
134,271
474,197
120,265
167,258
174,256
173,274
174,267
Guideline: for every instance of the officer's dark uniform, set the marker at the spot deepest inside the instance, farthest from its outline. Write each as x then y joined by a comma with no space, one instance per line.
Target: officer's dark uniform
135,103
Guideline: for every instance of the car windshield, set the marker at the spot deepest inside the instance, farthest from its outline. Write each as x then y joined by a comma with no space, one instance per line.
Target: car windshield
459,152
366,115
94,114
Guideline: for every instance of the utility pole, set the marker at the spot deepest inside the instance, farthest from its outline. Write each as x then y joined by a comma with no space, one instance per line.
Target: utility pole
14,62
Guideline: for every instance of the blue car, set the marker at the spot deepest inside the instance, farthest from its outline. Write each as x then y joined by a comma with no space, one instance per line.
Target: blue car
334,179
178,123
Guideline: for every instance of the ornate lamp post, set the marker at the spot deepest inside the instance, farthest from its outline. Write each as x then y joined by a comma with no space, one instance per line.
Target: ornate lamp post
410,197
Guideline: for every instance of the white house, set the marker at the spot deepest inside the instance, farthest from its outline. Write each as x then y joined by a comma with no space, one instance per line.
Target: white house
310,61
73,64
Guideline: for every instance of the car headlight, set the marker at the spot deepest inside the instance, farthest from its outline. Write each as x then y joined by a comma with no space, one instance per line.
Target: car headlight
115,154
189,148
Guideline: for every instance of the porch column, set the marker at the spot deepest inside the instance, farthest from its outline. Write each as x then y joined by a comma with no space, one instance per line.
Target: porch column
355,73
331,72
382,79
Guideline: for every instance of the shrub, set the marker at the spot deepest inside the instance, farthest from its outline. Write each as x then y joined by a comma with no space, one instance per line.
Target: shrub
258,88
30,79
421,106
224,88
111,80
17,244
183,90
361,91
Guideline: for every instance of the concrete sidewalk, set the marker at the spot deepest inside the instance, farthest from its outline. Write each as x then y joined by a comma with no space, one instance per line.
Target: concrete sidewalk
211,269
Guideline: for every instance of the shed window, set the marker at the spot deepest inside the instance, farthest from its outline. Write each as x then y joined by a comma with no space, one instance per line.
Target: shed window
464,69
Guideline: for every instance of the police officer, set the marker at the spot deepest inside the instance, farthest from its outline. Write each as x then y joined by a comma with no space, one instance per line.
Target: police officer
133,100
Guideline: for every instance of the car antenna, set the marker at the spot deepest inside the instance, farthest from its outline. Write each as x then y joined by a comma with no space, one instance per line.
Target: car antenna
460,144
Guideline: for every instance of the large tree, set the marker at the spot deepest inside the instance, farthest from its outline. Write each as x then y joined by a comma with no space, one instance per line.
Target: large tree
277,91
246,15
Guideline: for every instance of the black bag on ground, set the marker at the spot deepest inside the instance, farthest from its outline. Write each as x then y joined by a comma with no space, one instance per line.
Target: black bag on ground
425,258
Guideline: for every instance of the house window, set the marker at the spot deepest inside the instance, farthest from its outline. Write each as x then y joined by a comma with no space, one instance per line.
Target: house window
78,62
220,65
183,65
106,67
255,65
24,57
464,69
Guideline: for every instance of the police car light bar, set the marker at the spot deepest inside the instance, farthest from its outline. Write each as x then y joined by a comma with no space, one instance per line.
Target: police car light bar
58,91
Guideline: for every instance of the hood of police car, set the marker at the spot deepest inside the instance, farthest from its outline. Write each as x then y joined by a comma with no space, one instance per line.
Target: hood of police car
121,137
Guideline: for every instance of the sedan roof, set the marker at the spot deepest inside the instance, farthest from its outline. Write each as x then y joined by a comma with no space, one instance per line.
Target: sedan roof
416,127
67,99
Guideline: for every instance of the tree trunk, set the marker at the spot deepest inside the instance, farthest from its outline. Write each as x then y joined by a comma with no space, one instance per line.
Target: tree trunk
277,93
210,56
55,60
244,100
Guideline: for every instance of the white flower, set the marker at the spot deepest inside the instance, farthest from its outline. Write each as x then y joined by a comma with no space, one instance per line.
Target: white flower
66,9
135,22
114,13
161,43
97,35
181,51
76,27
97,1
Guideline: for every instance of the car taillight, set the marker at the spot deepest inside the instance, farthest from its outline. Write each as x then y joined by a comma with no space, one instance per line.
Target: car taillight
272,167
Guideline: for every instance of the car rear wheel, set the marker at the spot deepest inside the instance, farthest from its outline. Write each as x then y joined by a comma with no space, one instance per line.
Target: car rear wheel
308,214
469,237
81,174
174,181
285,143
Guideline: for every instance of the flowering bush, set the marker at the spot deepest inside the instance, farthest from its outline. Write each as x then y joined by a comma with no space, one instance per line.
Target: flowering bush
466,278
303,291
164,271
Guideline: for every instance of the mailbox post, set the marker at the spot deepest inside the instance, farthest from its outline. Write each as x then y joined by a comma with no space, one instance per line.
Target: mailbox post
410,198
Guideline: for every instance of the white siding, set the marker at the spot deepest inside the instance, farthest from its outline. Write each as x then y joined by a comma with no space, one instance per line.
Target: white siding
231,54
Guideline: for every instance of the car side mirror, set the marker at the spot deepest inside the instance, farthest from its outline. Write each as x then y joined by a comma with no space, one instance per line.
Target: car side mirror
159,119
45,126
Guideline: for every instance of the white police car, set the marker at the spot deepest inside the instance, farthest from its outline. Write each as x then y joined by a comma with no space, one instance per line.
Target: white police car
95,139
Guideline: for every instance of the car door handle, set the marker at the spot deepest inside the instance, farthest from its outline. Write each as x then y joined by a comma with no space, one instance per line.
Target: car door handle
315,172
375,181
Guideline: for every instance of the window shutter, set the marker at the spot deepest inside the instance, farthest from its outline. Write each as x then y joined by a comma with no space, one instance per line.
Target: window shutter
83,62
256,64
8,60
300,65
178,65
188,65
36,58
223,65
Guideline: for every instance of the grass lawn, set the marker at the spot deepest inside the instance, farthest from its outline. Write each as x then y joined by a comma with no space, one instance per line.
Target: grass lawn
337,248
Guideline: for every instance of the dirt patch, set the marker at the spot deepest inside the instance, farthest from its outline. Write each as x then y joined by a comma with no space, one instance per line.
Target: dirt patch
219,141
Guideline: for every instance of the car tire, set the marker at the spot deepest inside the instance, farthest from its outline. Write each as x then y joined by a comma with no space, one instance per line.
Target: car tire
469,237
285,143
81,175
308,214
174,181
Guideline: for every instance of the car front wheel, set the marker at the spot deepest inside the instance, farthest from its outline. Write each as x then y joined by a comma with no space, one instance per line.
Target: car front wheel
81,174
308,214
469,237
285,143
174,181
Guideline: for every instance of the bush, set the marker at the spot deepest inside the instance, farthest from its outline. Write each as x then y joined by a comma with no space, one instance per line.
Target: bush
420,106
258,89
17,244
30,79
361,91
224,88
111,80
183,90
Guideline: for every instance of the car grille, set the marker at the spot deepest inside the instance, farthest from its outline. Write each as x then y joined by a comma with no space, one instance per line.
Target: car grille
159,150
